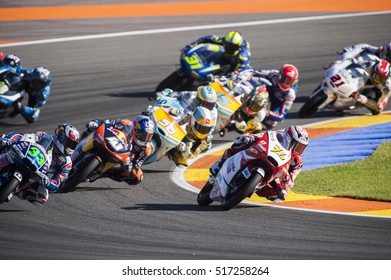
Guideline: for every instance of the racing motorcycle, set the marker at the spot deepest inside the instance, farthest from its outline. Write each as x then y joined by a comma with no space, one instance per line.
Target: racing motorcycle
168,132
95,154
11,92
196,64
344,79
28,163
246,172
228,103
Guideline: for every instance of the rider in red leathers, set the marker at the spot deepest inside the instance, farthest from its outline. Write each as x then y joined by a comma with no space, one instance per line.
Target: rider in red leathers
293,138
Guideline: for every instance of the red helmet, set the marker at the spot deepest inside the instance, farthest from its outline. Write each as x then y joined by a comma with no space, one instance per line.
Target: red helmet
1,55
380,71
295,138
288,76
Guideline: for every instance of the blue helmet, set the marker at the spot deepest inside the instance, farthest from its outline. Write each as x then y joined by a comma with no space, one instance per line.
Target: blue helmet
207,97
39,78
143,129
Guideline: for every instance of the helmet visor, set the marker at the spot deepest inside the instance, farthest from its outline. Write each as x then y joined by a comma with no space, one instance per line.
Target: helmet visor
207,105
38,84
70,144
231,48
378,79
201,129
287,82
297,147
256,107
144,136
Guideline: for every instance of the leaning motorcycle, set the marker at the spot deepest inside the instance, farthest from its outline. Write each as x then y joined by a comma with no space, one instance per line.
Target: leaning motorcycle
11,92
95,154
246,172
196,64
28,162
168,133
337,91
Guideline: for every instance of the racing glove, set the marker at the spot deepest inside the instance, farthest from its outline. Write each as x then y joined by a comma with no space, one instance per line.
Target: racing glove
45,181
5,142
91,126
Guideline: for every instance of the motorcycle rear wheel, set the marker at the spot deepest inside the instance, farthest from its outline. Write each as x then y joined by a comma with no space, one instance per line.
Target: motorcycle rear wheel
248,187
311,106
203,198
9,188
86,167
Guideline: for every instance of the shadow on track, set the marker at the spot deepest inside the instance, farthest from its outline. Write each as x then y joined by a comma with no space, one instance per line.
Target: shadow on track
181,207
144,94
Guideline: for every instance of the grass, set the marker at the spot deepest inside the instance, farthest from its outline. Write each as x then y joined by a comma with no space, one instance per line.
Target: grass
368,179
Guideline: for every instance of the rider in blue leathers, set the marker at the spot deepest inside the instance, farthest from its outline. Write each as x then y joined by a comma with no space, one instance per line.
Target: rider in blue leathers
64,140
37,84
236,48
282,88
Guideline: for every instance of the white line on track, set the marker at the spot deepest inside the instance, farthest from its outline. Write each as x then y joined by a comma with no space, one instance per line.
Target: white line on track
192,28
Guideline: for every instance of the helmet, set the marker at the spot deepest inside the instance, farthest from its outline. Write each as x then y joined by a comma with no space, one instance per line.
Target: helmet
1,55
39,78
11,60
232,42
207,97
387,51
288,76
201,122
295,138
380,71
143,129
256,100
65,138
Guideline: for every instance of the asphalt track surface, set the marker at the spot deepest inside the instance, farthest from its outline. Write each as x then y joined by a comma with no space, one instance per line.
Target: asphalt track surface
112,78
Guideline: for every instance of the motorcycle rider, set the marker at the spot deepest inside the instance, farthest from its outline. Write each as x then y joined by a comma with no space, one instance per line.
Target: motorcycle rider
249,117
282,88
201,123
237,49
63,142
366,55
139,135
37,83
294,138
379,79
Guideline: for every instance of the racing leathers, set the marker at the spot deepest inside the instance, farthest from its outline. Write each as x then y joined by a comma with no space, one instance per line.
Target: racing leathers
38,192
238,62
129,172
191,145
36,100
280,101
276,191
365,55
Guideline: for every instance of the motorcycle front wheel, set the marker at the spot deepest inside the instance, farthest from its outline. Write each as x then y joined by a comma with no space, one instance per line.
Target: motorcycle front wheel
9,188
234,198
203,198
82,169
311,106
